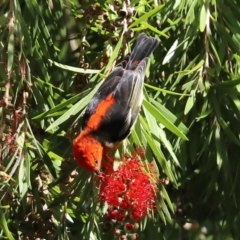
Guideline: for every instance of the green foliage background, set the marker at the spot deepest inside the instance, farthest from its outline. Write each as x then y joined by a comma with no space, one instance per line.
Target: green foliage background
50,56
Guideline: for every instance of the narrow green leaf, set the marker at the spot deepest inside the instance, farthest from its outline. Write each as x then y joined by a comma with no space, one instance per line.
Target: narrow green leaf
10,51
22,179
153,29
237,57
170,52
203,18
4,225
48,84
165,210
165,91
74,109
159,156
191,15
215,52
194,69
168,145
170,116
189,104
166,197
136,138
146,16
222,30
218,147
25,33
151,121
60,106
204,114
74,69
162,119
160,212
228,131
114,54
225,84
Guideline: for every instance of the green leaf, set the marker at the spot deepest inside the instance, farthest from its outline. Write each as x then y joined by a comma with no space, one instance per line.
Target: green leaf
170,52
165,91
114,54
165,210
166,197
189,104
170,116
162,119
228,131
4,225
215,52
203,18
75,109
10,51
162,161
229,84
218,147
194,69
153,29
60,106
74,69
146,16
168,146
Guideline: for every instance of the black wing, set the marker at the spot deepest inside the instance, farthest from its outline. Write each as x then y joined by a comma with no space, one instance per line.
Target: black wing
105,89
120,118
125,82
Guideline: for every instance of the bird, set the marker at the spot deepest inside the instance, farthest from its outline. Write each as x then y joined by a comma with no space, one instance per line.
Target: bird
111,113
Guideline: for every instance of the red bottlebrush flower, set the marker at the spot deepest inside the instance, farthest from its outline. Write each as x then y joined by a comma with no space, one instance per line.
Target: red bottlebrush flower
113,186
129,190
115,215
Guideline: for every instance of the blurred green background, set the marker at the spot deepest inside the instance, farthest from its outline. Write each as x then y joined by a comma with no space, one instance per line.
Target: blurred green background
50,56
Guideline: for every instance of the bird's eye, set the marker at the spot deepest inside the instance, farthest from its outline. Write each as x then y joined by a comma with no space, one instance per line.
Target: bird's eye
97,167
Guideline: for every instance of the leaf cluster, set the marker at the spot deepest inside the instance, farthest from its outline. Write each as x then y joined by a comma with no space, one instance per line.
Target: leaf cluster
53,57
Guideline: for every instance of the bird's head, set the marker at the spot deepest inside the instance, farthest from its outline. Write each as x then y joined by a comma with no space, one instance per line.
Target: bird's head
88,152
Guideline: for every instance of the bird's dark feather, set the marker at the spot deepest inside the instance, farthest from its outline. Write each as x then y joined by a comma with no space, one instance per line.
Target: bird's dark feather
125,82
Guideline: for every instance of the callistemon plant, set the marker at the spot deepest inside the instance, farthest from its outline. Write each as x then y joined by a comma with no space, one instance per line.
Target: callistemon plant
129,192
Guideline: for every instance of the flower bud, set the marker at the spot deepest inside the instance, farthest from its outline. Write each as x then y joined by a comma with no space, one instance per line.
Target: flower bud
128,226
123,237
134,236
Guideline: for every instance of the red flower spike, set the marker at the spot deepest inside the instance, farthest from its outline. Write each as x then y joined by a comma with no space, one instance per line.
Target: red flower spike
115,215
140,151
139,213
130,189
124,204
110,189
107,164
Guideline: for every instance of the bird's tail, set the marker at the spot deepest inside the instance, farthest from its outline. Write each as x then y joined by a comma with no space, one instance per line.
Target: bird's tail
143,48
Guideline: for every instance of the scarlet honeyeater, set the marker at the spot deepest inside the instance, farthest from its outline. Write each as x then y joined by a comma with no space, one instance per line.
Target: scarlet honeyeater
112,112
